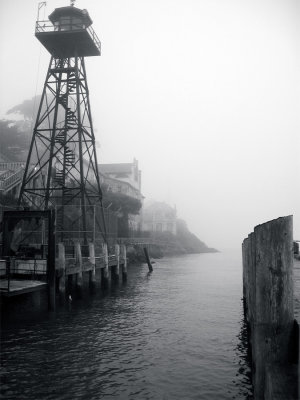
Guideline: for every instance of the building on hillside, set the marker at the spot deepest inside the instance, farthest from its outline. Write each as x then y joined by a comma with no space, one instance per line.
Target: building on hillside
124,178
159,217
122,172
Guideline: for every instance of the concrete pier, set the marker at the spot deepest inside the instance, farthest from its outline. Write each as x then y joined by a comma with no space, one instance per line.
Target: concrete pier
70,275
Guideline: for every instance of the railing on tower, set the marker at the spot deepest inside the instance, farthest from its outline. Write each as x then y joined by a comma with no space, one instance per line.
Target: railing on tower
47,26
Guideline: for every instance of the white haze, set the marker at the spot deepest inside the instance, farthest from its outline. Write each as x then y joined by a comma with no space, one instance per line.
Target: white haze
204,93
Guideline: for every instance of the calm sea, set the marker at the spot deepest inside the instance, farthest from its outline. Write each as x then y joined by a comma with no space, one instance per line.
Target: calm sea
175,334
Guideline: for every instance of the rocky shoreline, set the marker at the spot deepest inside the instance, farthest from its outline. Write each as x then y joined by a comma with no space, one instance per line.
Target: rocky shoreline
135,253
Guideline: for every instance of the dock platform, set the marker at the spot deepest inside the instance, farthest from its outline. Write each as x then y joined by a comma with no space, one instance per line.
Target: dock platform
17,287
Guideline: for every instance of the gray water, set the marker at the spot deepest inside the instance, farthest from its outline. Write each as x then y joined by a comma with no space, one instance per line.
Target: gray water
177,333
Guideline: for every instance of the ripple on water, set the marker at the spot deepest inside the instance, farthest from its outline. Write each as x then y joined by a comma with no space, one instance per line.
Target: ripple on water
177,334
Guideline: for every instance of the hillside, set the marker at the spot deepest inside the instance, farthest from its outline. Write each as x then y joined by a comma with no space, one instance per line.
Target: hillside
189,241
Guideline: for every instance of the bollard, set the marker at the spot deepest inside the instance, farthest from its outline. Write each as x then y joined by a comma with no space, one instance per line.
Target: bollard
61,271
92,273
124,266
78,262
105,272
116,268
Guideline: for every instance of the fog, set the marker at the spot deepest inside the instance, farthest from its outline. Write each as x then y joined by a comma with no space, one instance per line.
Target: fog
204,93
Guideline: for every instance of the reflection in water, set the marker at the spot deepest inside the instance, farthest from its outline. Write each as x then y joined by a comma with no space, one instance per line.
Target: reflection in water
243,377
174,334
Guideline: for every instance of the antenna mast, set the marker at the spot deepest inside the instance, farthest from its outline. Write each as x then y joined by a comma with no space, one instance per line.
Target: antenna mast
40,6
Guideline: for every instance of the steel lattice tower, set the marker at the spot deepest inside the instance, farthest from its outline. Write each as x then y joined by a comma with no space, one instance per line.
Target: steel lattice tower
61,168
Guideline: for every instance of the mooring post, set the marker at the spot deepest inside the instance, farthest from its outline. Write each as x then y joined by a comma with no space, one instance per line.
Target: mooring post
78,261
269,294
105,272
124,265
116,268
61,270
92,273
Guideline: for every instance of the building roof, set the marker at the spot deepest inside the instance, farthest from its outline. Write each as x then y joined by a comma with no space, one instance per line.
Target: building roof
121,168
70,11
158,205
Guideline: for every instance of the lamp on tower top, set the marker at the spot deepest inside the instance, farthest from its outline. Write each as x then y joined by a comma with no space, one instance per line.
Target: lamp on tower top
68,33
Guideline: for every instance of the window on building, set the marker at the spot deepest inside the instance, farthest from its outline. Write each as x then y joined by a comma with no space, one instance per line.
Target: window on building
65,23
159,227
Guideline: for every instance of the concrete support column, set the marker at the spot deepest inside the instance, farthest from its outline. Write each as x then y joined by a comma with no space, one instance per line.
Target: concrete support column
92,273
124,265
78,261
61,270
116,268
105,272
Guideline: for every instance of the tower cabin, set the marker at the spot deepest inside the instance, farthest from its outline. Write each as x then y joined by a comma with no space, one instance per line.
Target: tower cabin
68,33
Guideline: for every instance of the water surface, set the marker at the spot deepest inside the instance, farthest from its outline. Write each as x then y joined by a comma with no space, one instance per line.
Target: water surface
177,333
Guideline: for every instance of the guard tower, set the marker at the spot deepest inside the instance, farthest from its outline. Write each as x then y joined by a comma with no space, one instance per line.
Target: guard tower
62,170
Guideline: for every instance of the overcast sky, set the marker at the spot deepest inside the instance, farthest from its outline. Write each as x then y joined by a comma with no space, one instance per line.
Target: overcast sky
204,93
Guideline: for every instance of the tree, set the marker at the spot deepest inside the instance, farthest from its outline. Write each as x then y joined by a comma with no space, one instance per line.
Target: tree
27,109
14,142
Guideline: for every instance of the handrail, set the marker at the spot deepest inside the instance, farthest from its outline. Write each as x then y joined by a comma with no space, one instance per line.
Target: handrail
11,165
47,26
11,180
94,37
35,268
4,174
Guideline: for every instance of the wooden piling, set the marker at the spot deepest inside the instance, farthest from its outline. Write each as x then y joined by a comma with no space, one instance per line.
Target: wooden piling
268,293
61,270
78,261
148,260
124,265
105,272
274,295
92,272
